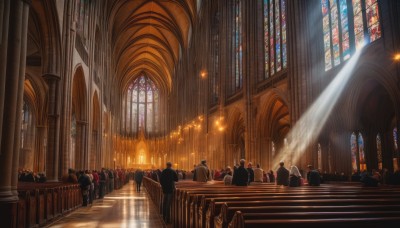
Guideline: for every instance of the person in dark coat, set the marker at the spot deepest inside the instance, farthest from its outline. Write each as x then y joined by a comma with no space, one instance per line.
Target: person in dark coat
282,175
138,179
251,172
168,178
313,177
241,175
84,183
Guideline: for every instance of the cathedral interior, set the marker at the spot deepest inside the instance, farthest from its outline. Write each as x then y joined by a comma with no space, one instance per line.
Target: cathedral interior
127,84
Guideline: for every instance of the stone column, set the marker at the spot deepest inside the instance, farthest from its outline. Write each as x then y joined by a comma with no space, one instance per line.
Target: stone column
5,11
39,159
53,124
12,74
302,65
81,154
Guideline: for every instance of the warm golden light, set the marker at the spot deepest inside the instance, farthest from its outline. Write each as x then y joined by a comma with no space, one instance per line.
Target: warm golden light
203,74
397,57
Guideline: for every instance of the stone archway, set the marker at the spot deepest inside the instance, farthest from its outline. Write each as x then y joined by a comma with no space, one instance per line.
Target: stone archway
373,114
274,125
236,146
79,155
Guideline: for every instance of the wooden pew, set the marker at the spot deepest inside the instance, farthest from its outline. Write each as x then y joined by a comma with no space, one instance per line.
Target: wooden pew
326,223
228,209
239,218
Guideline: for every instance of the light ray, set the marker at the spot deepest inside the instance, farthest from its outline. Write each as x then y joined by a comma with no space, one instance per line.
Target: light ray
309,126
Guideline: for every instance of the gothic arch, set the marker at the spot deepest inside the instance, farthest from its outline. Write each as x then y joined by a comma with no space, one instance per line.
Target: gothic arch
273,126
44,15
371,107
79,117
236,130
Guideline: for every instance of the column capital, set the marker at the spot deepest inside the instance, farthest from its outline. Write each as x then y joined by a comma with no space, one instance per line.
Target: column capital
51,77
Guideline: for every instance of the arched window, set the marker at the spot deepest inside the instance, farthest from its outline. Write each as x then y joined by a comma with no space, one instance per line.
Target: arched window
27,137
214,79
142,107
236,81
353,143
363,165
275,57
82,19
339,16
379,150
396,149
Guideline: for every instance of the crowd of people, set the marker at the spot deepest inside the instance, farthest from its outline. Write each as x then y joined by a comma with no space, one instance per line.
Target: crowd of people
96,184
25,175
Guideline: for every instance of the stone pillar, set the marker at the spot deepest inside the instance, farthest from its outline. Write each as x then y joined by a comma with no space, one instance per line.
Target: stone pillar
40,141
300,34
12,75
53,124
81,154
5,11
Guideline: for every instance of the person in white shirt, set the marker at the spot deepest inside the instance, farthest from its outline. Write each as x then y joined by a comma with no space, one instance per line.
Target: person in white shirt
258,174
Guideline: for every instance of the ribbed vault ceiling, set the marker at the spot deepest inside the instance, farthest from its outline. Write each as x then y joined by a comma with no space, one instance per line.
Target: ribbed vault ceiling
148,36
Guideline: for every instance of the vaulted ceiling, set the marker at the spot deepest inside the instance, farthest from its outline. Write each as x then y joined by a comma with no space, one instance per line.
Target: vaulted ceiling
149,36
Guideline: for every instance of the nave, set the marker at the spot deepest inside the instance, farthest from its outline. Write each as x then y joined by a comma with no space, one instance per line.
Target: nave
121,208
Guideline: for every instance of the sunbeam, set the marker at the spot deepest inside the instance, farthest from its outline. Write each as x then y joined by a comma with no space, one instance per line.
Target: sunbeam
307,129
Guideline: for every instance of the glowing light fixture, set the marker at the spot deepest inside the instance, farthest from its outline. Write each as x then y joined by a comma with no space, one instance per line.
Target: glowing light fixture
397,57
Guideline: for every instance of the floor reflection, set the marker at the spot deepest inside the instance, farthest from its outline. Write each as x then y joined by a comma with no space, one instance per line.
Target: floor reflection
122,208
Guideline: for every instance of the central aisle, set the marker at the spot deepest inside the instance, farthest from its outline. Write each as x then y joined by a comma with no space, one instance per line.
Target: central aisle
121,208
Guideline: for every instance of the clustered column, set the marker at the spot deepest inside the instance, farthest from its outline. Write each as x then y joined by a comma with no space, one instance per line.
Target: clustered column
13,37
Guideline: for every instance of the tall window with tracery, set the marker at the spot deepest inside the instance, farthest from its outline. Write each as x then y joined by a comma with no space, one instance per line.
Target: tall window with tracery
214,79
275,54
141,107
82,19
379,151
338,16
236,82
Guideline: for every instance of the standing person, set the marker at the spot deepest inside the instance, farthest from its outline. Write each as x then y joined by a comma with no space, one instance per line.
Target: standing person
282,175
84,183
168,178
138,179
102,186
241,175
258,174
202,173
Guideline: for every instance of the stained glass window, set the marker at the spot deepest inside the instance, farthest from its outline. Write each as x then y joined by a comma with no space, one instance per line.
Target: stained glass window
275,40
379,151
142,106
396,149
354,148
336,20
237,81
360,141
372,13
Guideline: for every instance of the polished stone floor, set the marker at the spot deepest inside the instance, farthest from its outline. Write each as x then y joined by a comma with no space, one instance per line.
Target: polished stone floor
121,208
